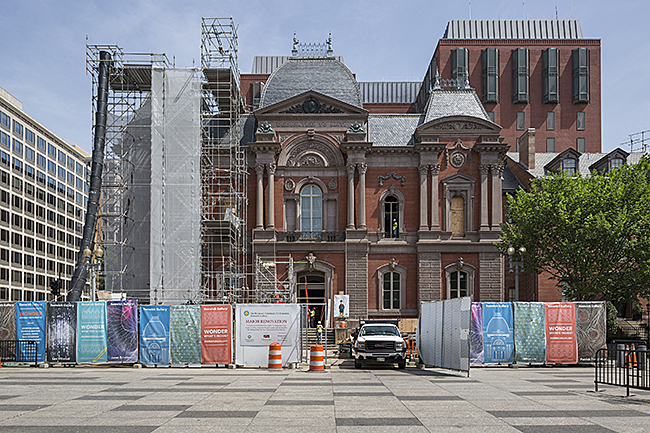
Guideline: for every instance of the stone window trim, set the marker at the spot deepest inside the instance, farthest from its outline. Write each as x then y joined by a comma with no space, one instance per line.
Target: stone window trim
293,199
460,265
392,191
463,185
391,266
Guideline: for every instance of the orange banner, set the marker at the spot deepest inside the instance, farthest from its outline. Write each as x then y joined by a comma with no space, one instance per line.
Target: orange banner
216,334
561,341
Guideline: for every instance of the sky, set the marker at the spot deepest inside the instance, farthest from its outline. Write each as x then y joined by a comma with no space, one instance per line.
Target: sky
43,45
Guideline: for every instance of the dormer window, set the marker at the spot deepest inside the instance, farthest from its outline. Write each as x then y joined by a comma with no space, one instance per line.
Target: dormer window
567,162
569,166
616,163
615,159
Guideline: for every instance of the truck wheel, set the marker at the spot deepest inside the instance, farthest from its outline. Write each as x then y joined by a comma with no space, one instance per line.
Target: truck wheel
401,364
357,363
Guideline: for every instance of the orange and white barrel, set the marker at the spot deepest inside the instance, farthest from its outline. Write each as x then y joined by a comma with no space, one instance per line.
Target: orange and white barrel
275,356
316,362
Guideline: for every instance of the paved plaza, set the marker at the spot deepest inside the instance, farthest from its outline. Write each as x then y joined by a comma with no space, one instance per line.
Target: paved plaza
342,399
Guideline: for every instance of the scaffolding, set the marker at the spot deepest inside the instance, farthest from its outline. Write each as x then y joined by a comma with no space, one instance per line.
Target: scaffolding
224,173
128,124
273,280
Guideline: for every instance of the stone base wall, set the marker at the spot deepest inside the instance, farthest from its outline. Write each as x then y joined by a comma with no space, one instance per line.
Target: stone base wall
356,283
429,278
491,277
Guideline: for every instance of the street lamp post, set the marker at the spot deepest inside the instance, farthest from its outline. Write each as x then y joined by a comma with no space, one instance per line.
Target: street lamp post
92,267
516,265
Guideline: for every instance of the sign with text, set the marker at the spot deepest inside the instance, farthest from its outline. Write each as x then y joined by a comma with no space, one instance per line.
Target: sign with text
30,325
91,332
261,326
216,334
342,305
498,338
561,344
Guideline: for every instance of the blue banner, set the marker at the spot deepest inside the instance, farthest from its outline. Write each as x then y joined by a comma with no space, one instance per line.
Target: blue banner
91,331
498,339
30,325
154,334
122,331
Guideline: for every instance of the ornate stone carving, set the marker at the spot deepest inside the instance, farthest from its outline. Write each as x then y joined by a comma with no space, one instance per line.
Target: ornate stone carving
333,184
311,133
483,169
311,154
350,167
497,168
362,167
423,169
356,127
457,159
265,128
311,259
460,263
311,105
394,176
435,169
259,169
457,126
289,185
392,264
270,168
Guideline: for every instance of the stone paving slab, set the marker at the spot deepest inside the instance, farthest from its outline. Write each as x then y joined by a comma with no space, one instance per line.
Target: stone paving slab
342,399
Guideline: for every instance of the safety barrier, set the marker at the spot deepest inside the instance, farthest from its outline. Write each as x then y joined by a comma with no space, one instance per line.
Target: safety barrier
316,362
19,351
623,366
275,356
411,347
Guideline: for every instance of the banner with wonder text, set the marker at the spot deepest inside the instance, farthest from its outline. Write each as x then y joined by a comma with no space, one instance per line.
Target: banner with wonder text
561,345
91,332
216,334
30,325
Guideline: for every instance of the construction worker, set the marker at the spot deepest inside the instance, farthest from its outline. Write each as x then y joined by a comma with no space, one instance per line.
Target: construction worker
319,332
312,317
394,227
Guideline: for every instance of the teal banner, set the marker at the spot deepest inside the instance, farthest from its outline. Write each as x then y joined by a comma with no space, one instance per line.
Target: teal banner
530,335
91,332
185,334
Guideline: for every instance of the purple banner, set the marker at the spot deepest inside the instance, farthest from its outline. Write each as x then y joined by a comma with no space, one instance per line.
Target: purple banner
122,331
476,334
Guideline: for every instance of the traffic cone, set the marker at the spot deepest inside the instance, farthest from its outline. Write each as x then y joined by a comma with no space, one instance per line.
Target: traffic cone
633,357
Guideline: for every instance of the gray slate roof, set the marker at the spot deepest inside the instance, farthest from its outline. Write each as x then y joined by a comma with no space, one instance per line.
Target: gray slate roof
393,129
513,29
268,64
452,102
510,181
389,92
586,159
323,74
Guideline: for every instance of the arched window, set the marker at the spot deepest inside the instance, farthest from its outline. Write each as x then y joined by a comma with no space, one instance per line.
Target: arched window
458,215
391,291
391,217
458,284
311,214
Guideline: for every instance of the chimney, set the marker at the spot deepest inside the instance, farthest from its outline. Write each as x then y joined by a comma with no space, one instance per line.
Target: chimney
527,148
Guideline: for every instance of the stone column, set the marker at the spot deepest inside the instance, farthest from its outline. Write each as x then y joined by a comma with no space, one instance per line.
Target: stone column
362,167
435,220
259,169
483,170
350,167
424,171
271,207
497,171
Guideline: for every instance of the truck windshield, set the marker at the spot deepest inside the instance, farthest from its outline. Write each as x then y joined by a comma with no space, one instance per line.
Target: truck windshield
380,330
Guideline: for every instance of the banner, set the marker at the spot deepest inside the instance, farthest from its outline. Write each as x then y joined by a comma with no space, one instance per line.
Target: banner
30,325
342,306
216,334
185,334
476,334
561,345
498,340
7,321
122,331
591,329
530,337
61,332
154,334
91,331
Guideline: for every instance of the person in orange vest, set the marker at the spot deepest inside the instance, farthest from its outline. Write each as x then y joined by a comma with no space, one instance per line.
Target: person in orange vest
319,332
312,317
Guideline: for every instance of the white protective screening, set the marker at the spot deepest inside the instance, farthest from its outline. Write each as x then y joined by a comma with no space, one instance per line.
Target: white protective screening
175,200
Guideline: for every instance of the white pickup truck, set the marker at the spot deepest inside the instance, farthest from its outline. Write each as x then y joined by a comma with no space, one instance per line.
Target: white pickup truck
379,342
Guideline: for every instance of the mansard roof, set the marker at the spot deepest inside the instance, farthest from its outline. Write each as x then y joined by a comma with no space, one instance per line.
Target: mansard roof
454,102
393,129
325,75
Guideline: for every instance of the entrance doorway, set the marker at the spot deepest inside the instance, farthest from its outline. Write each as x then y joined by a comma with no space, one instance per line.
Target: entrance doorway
311,292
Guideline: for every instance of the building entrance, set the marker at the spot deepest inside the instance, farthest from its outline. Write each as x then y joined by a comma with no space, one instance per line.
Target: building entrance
311,292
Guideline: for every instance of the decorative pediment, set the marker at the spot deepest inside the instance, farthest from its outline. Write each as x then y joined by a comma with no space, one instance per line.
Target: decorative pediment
311,103
455,126
311,151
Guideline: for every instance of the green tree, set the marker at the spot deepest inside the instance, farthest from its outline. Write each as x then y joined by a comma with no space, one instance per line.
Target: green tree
592,234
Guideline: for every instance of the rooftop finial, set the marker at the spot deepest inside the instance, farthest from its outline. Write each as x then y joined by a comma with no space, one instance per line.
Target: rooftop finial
329,45
436,82
294,50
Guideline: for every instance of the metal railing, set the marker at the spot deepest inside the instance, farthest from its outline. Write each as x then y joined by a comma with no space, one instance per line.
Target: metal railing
626,367
317,236
19,351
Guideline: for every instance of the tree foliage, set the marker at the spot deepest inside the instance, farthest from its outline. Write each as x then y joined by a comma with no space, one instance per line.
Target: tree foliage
592,234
